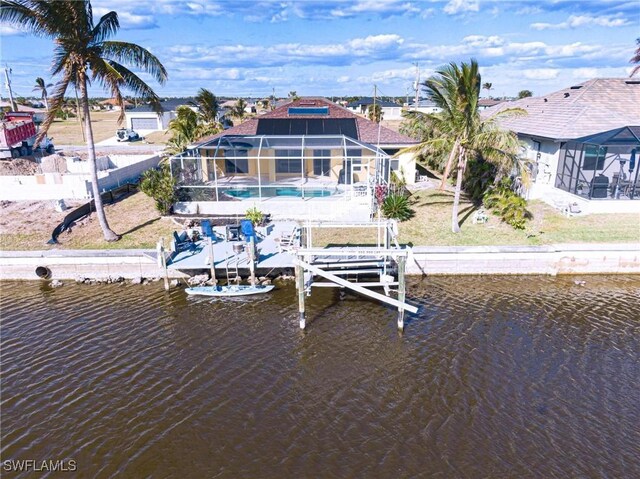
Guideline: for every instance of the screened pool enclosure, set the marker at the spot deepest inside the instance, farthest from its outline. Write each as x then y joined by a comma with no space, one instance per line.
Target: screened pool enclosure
260,167
602,166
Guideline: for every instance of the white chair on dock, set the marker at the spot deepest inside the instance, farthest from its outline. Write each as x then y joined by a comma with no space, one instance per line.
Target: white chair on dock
287,242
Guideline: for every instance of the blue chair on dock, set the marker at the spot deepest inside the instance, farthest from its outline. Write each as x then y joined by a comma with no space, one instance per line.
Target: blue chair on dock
246,228
207,229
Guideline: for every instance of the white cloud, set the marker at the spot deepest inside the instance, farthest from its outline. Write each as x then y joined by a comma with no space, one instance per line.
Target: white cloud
6,30
540,73
127,19
578,21
461,6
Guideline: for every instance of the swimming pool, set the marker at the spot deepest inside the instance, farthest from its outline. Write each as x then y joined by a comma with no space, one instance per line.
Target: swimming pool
271,191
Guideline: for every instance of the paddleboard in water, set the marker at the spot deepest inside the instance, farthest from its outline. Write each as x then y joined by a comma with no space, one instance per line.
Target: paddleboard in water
236,290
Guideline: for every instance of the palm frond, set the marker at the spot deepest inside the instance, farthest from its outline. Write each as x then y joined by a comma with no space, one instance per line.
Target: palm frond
134,55
106,27
56,103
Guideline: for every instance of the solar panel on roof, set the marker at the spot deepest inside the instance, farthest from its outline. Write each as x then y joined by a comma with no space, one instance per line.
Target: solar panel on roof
308,110
308,126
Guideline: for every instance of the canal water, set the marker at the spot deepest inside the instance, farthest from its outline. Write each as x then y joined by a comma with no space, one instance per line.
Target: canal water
495,377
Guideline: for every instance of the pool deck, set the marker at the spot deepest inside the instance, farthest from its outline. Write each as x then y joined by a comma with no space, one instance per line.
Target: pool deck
269,254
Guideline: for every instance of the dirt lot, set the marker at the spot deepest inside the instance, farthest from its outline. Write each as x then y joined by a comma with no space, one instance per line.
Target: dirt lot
31,217
27,225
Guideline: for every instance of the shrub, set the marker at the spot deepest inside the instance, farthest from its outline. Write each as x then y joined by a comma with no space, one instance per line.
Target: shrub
255,215
478,178
161,186
397,207
507,205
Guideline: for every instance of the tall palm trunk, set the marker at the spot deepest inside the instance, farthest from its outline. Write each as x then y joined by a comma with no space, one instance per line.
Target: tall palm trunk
462,164
447,168
109,235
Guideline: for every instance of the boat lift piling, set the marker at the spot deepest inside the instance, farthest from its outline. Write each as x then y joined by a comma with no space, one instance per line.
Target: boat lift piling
302,264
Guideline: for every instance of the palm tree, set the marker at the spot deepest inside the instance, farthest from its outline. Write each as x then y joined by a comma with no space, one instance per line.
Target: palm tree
42,88
208,105
636,59
238,111
83,54
459,129
374,112
488,86
186,128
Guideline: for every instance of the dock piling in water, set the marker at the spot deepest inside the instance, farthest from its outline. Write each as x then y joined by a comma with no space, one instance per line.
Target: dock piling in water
300,287
401,290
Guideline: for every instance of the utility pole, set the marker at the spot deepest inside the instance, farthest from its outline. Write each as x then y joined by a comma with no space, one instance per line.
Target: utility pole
375,94
14,107
417,84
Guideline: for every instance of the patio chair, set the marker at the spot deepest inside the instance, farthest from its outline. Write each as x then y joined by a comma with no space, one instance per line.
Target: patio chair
181,242
286,242
600,187
207,229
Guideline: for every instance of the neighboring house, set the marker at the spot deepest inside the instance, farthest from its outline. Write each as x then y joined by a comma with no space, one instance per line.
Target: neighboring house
390,110
310,158
424,106
143,118
485,103
583,143
112,104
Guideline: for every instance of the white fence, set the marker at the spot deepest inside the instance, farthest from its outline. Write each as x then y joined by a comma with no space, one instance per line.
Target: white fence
77,185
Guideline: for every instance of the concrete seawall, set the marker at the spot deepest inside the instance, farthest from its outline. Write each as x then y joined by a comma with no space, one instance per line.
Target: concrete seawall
71,264
549,260
423,260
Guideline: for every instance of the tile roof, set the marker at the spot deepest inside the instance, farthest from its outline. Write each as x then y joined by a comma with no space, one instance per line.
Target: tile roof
371,101
169,104
367,129
591,107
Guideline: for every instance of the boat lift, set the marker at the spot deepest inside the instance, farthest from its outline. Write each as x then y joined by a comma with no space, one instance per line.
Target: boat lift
335,263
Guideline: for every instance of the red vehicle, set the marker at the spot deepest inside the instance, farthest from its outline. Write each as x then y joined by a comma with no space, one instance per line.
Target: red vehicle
18,134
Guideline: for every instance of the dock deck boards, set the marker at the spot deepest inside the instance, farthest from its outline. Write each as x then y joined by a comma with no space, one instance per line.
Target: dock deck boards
269,255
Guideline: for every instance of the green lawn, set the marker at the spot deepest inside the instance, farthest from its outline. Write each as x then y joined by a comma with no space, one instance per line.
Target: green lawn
135,218
431,226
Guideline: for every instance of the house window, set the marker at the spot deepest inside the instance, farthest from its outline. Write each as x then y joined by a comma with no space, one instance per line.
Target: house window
594,157
321,162
289,161
238,163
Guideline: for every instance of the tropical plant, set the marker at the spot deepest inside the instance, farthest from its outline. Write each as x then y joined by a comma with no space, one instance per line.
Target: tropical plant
293,95
255,215
525,94
508,205
238,111
186,128
636,59
84,54
479,177
208,106
161,186
458,130
374,112
41,86
487,86
397,207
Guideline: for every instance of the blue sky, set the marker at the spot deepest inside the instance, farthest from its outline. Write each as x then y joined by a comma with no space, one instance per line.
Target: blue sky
341,48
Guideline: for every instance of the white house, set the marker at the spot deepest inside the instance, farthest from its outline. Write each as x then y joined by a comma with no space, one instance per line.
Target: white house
143,118
583,143
423,106
390,110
